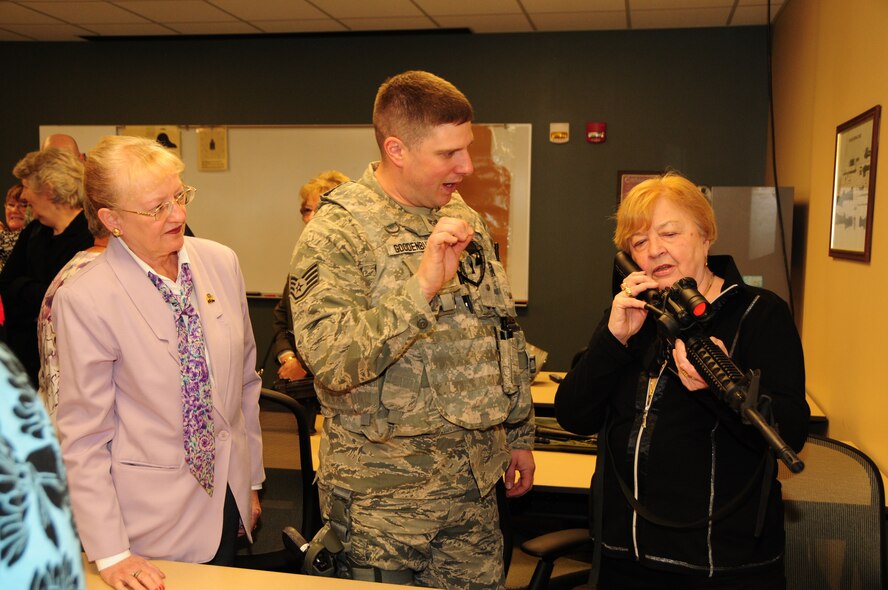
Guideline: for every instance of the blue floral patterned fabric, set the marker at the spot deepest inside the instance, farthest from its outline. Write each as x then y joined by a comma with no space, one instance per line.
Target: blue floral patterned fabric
39,548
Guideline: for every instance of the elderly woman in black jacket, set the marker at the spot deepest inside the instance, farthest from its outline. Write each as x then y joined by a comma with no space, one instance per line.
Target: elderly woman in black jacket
689,496
53,189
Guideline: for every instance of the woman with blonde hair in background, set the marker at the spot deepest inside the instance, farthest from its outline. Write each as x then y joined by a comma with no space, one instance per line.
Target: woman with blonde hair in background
284,346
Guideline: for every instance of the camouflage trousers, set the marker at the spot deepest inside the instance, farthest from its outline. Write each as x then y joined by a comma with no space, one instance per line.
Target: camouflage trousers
452,543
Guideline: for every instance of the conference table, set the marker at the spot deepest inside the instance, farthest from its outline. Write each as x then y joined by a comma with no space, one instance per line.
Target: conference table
194,576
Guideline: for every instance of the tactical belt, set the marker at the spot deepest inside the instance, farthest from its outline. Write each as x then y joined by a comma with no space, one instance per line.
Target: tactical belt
366,573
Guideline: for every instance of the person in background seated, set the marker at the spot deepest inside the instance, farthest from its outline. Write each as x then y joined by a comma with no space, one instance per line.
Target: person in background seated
690,497
48,377
16,212
405,317
53,189
38,547
63,142
283,345
158,410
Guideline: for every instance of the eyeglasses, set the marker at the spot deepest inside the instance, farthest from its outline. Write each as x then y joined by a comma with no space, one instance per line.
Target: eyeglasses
164,209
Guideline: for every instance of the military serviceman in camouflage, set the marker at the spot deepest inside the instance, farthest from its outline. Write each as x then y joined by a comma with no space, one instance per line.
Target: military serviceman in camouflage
404,315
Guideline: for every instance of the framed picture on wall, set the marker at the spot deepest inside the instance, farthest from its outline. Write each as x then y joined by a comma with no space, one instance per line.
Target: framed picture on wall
854,186
627,179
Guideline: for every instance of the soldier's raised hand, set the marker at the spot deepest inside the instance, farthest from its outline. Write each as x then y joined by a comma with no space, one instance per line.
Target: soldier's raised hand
440,260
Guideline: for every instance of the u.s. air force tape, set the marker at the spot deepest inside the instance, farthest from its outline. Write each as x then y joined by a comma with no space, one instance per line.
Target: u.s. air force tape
405,247
300,286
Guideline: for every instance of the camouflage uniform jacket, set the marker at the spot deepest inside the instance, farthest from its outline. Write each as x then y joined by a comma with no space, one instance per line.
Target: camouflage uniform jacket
400,380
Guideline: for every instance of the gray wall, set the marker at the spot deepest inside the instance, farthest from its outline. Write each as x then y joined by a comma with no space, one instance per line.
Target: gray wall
694,100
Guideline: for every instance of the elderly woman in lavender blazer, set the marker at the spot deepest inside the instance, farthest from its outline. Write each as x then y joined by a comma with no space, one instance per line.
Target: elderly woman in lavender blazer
158,394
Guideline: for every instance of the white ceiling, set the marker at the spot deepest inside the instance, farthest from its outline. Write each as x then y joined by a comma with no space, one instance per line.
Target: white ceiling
74,20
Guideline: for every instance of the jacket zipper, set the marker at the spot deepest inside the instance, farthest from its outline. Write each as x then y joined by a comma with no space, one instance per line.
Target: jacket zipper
652,386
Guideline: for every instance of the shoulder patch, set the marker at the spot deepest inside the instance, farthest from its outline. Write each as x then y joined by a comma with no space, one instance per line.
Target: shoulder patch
301,286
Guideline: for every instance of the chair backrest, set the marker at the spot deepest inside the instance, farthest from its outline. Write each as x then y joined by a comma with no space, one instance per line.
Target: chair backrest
286,560
834,519
310,509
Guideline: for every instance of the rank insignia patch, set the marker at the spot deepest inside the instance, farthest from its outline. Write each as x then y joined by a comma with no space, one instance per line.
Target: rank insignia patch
299,287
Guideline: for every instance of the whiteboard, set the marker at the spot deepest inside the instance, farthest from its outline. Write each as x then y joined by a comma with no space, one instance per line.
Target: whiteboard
253,206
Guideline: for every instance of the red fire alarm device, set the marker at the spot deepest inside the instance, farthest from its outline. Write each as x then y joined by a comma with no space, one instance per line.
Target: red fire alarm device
596,132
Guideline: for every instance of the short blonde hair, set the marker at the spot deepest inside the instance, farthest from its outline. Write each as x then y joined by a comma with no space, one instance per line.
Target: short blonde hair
320,184
120,165
636,210
54,169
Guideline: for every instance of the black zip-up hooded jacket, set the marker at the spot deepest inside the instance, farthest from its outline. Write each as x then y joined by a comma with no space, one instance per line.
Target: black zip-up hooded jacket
689,456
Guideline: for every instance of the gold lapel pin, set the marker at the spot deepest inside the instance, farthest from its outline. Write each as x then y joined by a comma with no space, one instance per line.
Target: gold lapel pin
210,298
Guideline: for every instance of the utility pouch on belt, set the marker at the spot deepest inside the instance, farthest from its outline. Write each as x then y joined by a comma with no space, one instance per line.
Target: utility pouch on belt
513,358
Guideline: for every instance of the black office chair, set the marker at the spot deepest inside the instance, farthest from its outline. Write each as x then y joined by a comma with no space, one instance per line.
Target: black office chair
576,543
287,560
834,515
311,517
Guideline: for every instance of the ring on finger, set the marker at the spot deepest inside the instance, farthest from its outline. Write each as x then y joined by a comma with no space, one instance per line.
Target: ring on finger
137,573
627,290
685,373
